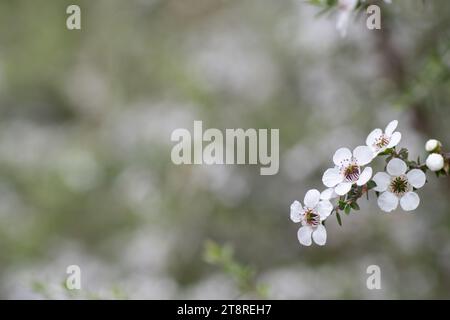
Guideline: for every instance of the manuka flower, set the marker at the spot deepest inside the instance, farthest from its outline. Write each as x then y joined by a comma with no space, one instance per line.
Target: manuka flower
348,169
311,216
397,186
379,141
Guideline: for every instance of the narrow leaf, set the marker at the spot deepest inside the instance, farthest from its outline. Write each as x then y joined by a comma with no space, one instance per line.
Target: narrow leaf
354,206
371,184
338,217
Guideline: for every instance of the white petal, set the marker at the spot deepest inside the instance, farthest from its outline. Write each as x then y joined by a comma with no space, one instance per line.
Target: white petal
396,167
363,154
410,201
382,179
320,235
387,201
373,137
328,194
312,198
304,235
391,127
395,140
365,176
324,208
416,178
296,211
340,155
332,177
343,188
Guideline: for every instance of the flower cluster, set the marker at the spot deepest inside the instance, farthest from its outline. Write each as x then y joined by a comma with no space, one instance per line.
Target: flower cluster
351,177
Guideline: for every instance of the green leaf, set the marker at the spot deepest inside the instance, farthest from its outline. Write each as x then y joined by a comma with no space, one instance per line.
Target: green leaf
342,204
338,217
412,164
354,206
386,152
403,154
371,184
347,209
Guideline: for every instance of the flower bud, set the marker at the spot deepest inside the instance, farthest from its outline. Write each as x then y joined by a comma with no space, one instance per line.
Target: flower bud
433,145
435,162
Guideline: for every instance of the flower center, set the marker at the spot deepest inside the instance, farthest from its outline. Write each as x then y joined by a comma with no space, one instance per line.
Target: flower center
351,172
381,142
312,218
399,185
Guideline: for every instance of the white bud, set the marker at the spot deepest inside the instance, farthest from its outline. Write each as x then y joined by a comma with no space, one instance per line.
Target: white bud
435,162
432,145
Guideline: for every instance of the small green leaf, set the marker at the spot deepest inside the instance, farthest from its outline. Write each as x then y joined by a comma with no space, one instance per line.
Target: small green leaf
371,184
403,154
411,164
338,217
354,206
347,209
386,152
342,204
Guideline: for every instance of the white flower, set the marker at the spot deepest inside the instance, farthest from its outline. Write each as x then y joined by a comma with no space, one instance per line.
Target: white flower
379,141
348,169
432,145
345,8
435,162
311,216
397,186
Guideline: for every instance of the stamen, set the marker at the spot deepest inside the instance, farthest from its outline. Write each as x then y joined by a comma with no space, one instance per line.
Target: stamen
351,172
381,142
399,185
312,218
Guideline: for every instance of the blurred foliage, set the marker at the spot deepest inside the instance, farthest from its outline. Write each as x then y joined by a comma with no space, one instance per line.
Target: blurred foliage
85,124
243,275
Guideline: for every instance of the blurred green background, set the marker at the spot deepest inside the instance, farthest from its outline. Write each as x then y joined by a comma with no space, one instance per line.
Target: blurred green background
85,170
